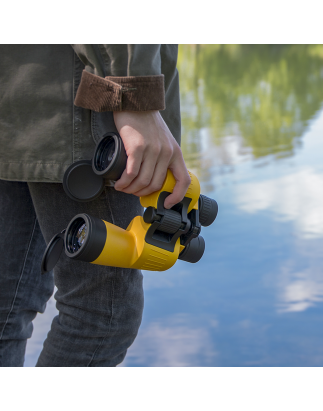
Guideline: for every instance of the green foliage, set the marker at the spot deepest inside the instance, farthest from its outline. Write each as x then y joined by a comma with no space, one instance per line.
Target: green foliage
264,93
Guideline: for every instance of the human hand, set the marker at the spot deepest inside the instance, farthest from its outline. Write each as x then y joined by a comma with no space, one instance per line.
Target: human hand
151,150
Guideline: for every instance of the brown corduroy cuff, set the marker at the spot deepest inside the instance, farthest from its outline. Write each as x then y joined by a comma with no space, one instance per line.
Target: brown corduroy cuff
133,93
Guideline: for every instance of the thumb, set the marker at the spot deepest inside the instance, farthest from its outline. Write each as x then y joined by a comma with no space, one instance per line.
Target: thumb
183,181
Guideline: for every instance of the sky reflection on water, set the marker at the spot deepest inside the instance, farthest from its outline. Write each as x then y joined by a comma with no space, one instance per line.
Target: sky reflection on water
255,298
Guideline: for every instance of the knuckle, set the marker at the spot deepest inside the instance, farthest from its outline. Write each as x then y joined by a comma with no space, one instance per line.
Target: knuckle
155,150
187,180
127,190
132,173
176,149
155,186
168,151
177,198
141,192
142,147
144,182
138,149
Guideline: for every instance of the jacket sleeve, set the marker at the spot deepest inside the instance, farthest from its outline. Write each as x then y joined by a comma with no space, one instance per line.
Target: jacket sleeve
120,77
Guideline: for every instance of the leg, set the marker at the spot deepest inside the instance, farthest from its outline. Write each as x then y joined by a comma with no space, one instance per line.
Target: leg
100,308
23,292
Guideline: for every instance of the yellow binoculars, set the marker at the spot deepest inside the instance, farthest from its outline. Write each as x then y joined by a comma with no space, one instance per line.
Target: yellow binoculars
152,242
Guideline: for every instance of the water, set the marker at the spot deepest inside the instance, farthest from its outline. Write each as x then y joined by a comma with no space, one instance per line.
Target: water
252,132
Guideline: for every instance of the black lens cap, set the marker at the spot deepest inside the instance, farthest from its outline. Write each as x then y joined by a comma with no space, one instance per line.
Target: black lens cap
81,183
52,252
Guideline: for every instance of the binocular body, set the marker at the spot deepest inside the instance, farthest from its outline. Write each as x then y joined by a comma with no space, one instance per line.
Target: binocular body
140,245
117,247
154,241
134,251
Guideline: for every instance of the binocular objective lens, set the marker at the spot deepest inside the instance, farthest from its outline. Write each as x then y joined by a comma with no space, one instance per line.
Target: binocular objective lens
105,154
76,235
81,234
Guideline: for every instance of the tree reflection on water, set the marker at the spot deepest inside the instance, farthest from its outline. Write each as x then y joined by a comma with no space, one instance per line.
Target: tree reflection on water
263,95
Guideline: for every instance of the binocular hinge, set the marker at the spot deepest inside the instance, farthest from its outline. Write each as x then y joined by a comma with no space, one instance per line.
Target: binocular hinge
168,225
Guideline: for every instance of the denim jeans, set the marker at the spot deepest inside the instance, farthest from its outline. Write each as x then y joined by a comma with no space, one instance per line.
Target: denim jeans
100,308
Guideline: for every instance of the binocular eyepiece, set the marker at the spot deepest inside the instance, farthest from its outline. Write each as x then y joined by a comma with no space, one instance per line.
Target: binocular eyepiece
110,158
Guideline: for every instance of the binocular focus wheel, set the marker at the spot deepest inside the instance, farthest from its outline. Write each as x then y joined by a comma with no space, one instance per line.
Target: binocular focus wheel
81,183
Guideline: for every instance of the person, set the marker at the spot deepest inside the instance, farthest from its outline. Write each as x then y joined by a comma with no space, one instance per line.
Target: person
57,101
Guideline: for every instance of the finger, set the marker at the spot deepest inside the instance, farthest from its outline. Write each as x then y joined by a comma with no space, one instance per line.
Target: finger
183,181
144,176
131,171
157,179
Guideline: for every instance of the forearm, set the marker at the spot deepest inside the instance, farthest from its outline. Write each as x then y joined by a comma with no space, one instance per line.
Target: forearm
128,81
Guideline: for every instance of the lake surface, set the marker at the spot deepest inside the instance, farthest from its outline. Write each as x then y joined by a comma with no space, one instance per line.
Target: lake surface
252,132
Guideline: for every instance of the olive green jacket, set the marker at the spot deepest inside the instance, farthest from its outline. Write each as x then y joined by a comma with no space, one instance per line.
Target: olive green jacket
56,101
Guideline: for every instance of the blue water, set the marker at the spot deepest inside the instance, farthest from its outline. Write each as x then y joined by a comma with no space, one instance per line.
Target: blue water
256,296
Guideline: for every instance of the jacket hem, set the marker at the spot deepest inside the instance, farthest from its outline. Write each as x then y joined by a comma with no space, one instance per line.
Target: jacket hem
33,172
